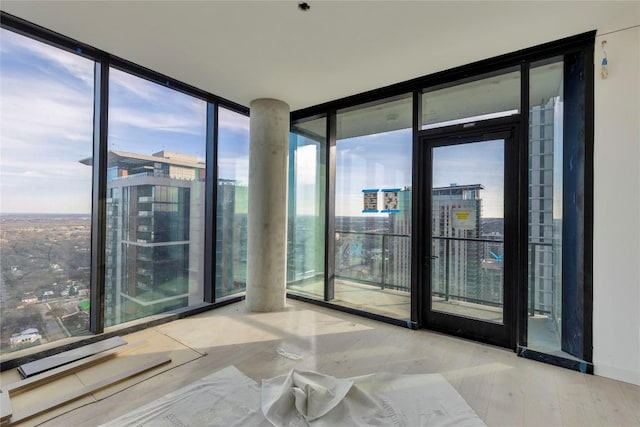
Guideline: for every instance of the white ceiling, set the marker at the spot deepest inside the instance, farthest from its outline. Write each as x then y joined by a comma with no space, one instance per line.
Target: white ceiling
244,50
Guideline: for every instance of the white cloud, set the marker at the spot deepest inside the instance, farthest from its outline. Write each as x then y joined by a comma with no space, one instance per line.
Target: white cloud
150,106
228,119
158,121
46,127
37,112
156,96
135,85
76,65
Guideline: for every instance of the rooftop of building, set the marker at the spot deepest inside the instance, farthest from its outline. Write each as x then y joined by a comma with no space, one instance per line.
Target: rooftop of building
136,159
457,187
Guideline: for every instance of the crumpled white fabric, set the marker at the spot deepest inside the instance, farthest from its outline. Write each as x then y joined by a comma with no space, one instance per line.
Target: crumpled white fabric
303,399
309,394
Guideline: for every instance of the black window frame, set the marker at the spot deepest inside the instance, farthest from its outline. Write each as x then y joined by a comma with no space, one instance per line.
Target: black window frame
104,61
579,44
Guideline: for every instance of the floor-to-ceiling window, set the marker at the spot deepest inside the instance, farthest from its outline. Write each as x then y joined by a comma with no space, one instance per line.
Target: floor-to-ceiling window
373,196
232,204
155,199
306,208
46,126
68,134
156,177
544,219
539,104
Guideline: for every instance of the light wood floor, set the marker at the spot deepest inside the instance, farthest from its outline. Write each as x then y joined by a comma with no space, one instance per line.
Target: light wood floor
503,389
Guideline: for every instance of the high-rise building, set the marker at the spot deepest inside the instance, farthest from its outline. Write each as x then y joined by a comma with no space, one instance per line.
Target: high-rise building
154,235
456,212
544,231
399,243
231,236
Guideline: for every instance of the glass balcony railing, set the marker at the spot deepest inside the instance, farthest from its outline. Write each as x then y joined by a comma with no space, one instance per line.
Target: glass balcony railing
382,260
467,275
468,270
544,277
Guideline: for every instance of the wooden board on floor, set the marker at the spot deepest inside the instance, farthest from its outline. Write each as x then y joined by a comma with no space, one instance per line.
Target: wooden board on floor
47,363
159,344
156,345
69,397
71,368
5,406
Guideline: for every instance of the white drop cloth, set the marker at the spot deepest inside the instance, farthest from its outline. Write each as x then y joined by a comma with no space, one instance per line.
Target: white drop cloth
302,399
311,399
226,398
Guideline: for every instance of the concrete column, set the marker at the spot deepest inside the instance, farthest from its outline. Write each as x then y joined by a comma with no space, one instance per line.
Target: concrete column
267,217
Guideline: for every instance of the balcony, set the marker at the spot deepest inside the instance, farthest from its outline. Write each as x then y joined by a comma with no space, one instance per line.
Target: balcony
373,273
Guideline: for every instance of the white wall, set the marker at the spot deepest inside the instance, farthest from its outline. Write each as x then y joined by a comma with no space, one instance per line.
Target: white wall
616,270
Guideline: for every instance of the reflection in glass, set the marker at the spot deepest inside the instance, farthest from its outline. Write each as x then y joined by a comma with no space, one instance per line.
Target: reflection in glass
155,199
467,268
231,219
306,228
483,98
545,205
46,126
373,246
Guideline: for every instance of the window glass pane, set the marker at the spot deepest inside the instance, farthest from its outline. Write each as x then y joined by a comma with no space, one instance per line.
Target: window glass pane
306,228
373,207
467,200
545,205
46,127
155,199
231,220
485,97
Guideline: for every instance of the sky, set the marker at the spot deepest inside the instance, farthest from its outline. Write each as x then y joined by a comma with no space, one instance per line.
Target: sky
473,163
46,126
378,161
383,161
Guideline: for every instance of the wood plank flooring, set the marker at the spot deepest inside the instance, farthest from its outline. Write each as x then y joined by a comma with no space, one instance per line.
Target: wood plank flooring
503,389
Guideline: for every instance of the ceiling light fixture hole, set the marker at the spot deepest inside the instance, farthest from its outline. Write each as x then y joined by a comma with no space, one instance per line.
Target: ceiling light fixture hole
304,6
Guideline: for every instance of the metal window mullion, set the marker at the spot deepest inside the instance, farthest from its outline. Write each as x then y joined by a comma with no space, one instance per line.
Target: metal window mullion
330,209
99,194
211,196
522,291
417,250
